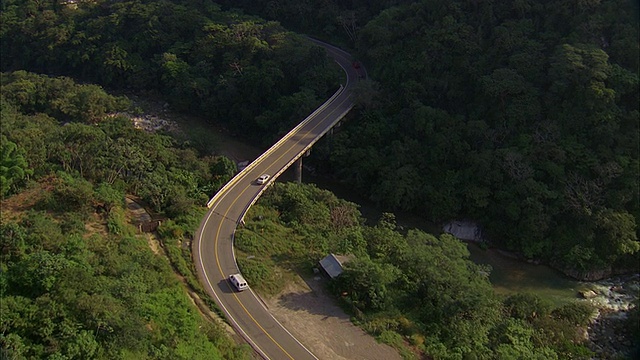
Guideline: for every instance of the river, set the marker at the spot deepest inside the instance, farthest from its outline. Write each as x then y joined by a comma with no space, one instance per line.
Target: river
509,275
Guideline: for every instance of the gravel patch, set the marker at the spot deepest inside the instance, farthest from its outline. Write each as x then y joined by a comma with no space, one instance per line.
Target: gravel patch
314,318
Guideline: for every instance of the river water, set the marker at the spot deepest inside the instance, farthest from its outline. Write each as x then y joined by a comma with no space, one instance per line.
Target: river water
508,275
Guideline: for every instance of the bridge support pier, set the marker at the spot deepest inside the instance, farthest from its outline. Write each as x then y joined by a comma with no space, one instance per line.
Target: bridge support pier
297,170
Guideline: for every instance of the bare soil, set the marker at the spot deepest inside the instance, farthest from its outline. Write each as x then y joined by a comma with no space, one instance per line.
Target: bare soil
14,206
314,318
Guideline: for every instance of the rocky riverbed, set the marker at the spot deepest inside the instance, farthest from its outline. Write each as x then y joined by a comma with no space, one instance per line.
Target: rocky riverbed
613,298
155,116
609,335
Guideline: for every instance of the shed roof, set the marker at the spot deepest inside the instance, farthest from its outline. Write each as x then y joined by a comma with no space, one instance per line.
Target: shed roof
333,265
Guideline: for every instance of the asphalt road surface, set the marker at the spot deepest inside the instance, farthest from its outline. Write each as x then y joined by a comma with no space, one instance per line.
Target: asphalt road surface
213,252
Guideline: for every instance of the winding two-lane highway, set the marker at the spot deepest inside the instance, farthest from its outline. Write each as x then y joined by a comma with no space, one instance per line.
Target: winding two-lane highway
213,244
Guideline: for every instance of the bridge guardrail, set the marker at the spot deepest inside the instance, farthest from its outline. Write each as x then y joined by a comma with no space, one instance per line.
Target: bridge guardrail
284,168
272,148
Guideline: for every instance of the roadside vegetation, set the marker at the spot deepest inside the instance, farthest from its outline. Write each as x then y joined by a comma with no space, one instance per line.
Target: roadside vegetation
290,229
76,279
241,72
415,291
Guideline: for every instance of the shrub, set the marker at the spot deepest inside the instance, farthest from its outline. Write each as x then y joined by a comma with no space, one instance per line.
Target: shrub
391,338
117,223
576,313
261,274
526,306
416,340
170,230
73,223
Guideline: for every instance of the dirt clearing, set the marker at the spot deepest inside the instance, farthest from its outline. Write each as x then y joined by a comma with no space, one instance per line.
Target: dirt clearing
314,318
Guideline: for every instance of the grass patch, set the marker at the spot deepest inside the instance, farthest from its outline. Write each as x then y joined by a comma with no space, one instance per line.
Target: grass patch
270,254
396,341
172,235
117,223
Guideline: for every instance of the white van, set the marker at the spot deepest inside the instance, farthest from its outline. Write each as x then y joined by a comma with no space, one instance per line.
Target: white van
239,282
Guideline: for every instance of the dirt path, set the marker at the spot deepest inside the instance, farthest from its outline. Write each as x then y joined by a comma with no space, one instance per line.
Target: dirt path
314,318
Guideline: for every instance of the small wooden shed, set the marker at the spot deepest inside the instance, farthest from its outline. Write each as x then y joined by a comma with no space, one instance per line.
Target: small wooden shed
332,264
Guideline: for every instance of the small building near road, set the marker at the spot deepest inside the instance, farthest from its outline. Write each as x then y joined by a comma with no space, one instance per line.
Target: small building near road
332,264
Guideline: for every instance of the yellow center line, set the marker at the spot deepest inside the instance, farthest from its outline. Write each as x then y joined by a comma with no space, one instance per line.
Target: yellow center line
224,276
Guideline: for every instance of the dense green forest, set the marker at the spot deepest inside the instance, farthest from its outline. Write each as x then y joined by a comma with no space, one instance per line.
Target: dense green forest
76,282
415,291
216,64
522,115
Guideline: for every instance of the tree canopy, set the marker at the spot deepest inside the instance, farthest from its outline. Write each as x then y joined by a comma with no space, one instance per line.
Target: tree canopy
410,289
76,281
202,60
522,115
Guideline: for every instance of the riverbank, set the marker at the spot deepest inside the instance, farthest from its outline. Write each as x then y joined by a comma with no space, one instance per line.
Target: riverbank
612,298
609,335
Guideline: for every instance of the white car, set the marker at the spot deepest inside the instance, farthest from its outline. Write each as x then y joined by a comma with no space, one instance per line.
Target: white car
262,179
238,282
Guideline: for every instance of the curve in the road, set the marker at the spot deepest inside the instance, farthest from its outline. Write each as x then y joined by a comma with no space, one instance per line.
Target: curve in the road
213,252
